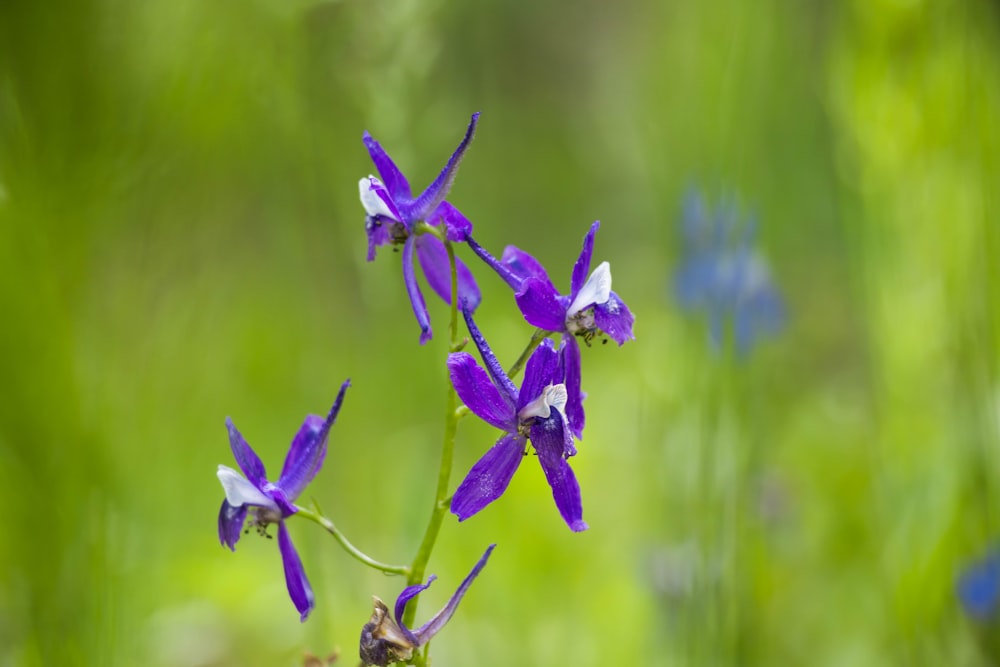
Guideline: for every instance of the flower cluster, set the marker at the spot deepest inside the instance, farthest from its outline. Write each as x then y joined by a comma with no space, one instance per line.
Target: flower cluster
724,277
548,409
545,412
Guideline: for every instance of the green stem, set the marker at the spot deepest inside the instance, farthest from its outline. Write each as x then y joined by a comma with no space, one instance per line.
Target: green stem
537,337
317,517
442,501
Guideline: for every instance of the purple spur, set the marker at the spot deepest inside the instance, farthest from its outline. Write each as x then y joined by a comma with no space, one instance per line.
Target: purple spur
385,641
591,307
274,502
536,412
392,214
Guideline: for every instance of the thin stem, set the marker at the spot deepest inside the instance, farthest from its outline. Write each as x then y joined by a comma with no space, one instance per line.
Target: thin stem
441,498
317,517
537,337
422,658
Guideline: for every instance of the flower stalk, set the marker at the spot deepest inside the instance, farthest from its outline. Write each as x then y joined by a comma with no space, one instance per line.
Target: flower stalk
316,516
537,337
451,416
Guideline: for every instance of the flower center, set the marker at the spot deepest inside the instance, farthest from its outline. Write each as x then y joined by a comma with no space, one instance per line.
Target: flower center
582,324
398,232
260,519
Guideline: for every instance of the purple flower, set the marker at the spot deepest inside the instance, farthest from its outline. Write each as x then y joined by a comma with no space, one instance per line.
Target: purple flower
724,277
536,412
384,641
591,307
979,587
392,216
273,502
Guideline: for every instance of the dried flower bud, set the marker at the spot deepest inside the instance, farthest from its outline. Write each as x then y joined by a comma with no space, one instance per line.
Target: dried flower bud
382,641
386,639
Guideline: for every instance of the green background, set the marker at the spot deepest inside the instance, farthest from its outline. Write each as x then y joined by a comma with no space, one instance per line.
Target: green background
181,240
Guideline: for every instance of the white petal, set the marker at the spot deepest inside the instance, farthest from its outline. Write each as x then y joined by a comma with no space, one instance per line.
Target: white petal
537,408
596,290
552,396
374,205
240,492
556,396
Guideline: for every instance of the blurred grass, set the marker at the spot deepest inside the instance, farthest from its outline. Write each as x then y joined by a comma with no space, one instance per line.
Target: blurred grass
180,240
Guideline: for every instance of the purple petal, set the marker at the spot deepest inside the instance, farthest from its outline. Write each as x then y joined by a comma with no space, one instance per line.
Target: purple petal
456,225
493,366
582,267
295,576
523,265
438,190
408,594
502,270
416,297
479,394
541,370
468,290
246,457
393,178
305,456
615,319
551,437
231,524
437,269
569,354
489,478
377,229
427,631
540,304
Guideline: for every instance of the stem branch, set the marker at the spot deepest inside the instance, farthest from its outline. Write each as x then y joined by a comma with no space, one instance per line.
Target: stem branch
537,337
316,516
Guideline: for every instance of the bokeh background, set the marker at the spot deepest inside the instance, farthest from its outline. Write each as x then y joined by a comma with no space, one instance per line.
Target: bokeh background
181,240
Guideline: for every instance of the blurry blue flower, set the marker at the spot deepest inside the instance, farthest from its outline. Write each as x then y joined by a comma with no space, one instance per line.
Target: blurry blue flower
536,412
392,214
723,276
273,502
978,587
589,308
385,641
